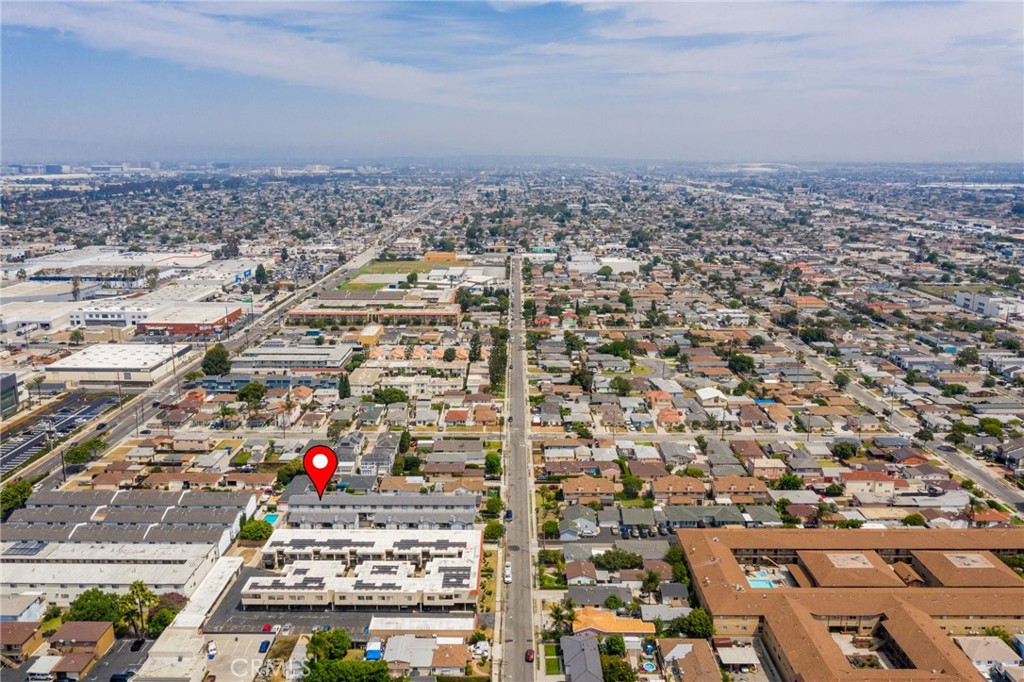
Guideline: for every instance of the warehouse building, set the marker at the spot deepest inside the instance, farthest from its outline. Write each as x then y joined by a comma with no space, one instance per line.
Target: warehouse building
369,570
129,364
187,319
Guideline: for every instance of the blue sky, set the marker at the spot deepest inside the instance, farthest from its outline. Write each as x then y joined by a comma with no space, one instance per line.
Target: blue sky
323,81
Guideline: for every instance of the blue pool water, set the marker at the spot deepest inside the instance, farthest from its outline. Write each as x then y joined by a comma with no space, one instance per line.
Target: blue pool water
760,584
761,574
271,518
649,667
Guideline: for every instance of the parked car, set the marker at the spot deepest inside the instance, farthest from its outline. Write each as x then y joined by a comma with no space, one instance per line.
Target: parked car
508,514
267,627
264,646
137,645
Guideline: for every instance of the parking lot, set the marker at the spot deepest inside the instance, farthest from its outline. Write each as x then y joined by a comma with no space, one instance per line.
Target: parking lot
118,659
238,657
64,417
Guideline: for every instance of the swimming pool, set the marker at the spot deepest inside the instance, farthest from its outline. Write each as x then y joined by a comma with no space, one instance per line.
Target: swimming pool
760,584
271,518
649,667
761,574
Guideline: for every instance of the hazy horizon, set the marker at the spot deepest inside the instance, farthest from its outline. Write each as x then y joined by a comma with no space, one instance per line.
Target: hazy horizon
324,82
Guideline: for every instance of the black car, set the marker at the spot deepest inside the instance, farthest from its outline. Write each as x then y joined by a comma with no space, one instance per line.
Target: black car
101,426
625,533
137,645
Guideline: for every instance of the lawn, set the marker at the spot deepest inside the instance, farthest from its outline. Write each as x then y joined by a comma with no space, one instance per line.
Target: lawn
551,666
394,267
352,285
550,650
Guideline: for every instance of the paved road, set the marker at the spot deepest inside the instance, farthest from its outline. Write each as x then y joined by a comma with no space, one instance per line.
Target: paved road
518,631
63,418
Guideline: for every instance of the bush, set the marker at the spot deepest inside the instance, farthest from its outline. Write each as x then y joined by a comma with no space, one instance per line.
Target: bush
256,530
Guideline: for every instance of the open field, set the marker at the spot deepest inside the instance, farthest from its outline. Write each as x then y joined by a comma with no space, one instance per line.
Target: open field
948,290
391,267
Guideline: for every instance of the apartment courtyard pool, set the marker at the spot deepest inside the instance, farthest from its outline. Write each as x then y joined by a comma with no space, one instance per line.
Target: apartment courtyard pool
760,583
271,518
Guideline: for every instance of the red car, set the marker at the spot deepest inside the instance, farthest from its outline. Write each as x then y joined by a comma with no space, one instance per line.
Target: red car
529,655
267,627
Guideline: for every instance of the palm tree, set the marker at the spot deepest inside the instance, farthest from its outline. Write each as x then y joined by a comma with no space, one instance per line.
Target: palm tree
35,382
76,287
650,582
289,405
971,510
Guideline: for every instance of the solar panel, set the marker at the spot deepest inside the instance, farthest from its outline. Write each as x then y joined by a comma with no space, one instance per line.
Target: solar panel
25,548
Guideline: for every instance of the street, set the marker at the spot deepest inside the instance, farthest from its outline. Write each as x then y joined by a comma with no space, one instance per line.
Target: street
518,613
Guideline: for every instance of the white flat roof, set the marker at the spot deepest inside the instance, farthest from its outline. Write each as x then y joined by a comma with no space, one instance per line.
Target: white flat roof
427,624
208,592
119,357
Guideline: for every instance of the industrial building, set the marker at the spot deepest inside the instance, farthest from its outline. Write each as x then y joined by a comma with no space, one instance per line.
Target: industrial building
278,354
369,569
906,591
105,364
191,318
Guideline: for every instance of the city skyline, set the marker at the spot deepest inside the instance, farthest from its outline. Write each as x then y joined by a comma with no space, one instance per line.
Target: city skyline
860,82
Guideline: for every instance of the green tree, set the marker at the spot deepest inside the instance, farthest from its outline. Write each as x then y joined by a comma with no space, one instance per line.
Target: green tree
950,390
256,530
14,496
158,622
699,625
604,271
344,386
617,559
388,396
968,356
631,486
834,490
650,582
252,394
475,347
404,442
346,671
550,528
924,435
217,361
842,380
789,481
493,505
84,452
914,519
845,449
617,669
614,644
76,337
756,342
492,464
626,299
620,385
613,602
740,363
330,645
261,275
96,605
412,278
493,531
449,355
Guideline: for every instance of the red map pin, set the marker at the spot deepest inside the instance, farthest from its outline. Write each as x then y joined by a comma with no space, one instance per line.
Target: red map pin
320,463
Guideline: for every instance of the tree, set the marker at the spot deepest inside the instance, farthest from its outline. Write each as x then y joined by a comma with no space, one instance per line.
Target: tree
604,271
158,622
449,355
252,393
84,452
412,278
387,396
631,486
914,519
563,615
702,443
699,625
344,386
924,435
621,386
346,671
845,449
650,582
136,603
256,530
493,505
950,390
330,645
614,644
617,669
756,342
613,602
626,299
492,464
842,380
475,347
968,356
493,531
76,287
834,490
22,274
284,254
740,363
96,605
76,337
789,481
617,559
14,496
261,275
217,361
550,528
